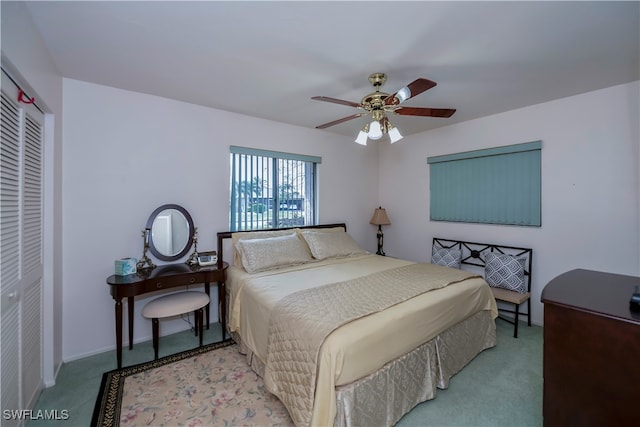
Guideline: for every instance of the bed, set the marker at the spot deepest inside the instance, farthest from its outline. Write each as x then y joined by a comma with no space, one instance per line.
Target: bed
345,337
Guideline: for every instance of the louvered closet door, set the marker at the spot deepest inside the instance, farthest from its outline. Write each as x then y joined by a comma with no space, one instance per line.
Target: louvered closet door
21,256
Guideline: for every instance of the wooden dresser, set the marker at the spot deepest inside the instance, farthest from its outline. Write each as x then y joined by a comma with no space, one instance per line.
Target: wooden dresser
591,351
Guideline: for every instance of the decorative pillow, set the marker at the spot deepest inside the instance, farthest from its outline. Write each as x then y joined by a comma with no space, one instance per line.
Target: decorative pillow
258,234
274,252
329,244
447,257
505,271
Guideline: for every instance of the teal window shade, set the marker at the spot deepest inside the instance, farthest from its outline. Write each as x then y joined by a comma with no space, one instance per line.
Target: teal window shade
499,185
270,189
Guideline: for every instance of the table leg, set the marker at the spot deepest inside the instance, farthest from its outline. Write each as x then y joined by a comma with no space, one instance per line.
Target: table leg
223,308
119,332
207,289
130,307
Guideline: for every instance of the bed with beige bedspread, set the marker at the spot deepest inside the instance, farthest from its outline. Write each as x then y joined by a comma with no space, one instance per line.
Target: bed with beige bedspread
331,327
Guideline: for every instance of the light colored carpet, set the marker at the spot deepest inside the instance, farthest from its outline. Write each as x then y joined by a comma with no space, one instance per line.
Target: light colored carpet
501,387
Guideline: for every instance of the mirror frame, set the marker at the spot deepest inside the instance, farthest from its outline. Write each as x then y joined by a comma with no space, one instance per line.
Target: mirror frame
187,245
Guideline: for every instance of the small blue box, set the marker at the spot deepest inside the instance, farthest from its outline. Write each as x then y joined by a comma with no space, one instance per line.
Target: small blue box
125,266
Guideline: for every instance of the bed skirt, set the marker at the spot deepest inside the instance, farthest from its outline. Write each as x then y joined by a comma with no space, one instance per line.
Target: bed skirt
383,397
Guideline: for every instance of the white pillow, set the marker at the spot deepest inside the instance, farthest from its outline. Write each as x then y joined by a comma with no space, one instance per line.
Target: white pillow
329,244
257,234
274,252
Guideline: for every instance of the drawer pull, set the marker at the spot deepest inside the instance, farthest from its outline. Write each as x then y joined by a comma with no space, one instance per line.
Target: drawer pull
192,280
159,285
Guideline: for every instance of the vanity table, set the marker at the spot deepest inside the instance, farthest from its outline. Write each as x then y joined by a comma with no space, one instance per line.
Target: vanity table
164,277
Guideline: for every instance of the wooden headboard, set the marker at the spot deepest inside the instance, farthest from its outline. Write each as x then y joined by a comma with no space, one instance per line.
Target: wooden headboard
473,253
222,235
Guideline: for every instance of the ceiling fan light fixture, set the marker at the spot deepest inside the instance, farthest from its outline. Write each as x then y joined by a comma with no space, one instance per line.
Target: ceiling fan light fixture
363,135
394,135
375,131
403,94
377,105
362,138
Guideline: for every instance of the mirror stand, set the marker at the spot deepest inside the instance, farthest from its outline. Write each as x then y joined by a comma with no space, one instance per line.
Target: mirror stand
193,258
145,261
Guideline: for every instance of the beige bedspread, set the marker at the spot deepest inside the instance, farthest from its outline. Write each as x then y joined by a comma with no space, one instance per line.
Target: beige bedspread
362,346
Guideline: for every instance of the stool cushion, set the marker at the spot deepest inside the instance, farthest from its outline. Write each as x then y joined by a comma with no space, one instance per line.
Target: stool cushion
175,304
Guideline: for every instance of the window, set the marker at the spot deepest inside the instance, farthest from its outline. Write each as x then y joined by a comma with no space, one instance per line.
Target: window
493,186
270,189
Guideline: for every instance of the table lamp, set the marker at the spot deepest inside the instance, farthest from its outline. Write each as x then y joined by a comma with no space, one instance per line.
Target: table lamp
380,218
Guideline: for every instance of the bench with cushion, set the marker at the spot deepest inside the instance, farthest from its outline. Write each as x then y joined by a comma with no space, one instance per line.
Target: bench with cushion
507,270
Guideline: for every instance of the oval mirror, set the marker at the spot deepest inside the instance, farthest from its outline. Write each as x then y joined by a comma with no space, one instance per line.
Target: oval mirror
171,234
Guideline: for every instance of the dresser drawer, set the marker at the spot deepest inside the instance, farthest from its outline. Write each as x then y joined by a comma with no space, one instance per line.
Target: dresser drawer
154,284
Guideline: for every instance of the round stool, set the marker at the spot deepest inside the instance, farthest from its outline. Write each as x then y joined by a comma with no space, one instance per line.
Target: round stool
174,305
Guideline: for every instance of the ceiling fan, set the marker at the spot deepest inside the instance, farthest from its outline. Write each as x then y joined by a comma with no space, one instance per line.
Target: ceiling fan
380,104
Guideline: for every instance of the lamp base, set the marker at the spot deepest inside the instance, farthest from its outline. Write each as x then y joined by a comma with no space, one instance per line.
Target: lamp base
380,241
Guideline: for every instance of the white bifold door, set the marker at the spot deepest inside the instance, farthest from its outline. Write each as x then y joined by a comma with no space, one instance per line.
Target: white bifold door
21,254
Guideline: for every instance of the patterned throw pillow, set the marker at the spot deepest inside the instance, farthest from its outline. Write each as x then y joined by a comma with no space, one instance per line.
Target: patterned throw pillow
447,257
505,271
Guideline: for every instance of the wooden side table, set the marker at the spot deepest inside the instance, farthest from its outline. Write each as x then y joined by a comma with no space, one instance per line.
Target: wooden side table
164,277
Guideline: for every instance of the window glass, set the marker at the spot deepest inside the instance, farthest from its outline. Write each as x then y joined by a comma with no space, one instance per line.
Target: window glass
271,189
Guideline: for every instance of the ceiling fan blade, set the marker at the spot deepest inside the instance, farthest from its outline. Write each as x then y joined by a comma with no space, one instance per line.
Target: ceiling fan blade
425,112
336,101
414,88
336,122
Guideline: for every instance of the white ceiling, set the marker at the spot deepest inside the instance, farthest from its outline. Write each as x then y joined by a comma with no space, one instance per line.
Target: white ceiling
267,59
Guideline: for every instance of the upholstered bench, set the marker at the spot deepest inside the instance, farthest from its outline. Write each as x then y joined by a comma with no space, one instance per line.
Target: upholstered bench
507,270
175,305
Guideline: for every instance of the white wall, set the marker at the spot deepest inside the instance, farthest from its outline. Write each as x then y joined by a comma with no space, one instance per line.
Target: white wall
590,185
26,57
126,153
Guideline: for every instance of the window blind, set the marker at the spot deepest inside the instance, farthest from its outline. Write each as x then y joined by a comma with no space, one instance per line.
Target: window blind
500,185
270,189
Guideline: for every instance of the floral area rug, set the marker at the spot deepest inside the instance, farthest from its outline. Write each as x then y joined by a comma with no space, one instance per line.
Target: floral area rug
207,386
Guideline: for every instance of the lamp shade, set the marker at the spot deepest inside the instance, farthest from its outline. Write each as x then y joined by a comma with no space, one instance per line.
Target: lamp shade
375,131
380,217
362,138
394,135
